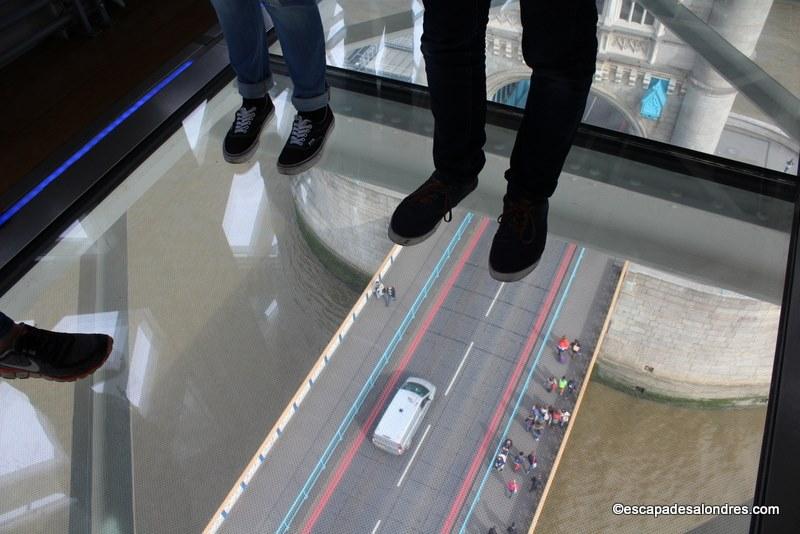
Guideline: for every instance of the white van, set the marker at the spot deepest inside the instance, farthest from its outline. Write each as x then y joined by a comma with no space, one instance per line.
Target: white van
403,416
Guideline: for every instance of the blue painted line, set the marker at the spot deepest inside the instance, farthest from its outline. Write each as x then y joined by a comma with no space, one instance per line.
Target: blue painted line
351,413
542,346
33,193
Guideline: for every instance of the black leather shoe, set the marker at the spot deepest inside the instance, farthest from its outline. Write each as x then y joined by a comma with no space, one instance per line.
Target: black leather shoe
419,214
519,242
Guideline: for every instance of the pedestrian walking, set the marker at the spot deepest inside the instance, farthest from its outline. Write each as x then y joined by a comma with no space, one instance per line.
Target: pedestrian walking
512,529
500,462
512,487
534,484
392,293
508,444
537,428
532,462
562,385
555,417
552,383
519,460
571,387
529,423
565,418
576,348
492,530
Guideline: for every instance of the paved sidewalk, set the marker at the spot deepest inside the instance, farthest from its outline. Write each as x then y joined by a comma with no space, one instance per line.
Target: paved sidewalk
274,488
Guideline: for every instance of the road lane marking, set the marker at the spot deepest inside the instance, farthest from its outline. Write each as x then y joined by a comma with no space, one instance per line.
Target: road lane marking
347,459
495,299
374,530
494,422
460,365
413,456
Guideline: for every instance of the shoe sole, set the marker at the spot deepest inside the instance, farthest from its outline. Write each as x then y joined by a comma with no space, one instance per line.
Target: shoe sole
244,156
16,373
303,166
512,277
411,241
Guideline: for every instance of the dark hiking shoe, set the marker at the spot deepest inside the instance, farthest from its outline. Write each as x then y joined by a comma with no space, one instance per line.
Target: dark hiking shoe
419,214
519,242
242,137
37,353
304,147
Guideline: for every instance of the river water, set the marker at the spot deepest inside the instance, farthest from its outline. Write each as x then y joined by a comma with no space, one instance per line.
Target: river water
633,451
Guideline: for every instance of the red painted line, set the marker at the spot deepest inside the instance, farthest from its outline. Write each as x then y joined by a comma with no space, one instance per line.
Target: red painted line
347,458
522,362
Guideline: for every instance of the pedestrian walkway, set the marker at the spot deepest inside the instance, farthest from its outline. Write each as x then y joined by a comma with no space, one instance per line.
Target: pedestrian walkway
582,316
275,483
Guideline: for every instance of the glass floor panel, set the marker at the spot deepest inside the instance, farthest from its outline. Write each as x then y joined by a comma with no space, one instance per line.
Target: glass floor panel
637,51
223,286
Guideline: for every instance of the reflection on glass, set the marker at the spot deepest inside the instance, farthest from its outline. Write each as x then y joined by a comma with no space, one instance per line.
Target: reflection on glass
245,211
23,440
698,108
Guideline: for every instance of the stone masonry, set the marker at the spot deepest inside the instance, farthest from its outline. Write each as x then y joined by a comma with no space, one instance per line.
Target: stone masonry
349,217
683,340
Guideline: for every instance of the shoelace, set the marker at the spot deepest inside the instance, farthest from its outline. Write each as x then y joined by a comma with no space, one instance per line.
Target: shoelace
431,190
244,118
300,130
518,216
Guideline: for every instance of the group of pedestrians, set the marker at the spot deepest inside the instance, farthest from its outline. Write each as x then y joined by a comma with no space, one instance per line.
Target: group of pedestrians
562,385
520,462
541,417
387,293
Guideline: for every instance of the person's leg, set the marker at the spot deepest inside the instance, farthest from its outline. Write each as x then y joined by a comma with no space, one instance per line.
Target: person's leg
559,43
299,28
302,39
454,47
242,24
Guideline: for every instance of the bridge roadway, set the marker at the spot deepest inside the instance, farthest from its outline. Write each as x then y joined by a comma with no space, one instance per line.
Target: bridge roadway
480,343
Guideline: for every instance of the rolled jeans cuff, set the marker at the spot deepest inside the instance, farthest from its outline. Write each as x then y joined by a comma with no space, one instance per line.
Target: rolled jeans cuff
257,89
312,103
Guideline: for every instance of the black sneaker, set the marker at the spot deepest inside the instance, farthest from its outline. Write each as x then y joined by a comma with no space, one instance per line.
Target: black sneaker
519,242
304,147
242,137
37,353
419,214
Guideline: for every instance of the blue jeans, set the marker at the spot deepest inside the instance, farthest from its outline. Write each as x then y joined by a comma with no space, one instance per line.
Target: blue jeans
299,29
5,325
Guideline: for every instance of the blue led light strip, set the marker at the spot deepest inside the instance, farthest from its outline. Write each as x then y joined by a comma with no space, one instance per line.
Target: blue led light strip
30,195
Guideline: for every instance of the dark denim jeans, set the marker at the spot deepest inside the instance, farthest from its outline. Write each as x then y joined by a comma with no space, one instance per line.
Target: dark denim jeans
299,29
559,43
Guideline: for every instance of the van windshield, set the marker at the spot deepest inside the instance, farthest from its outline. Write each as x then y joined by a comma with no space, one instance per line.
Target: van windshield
422,391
